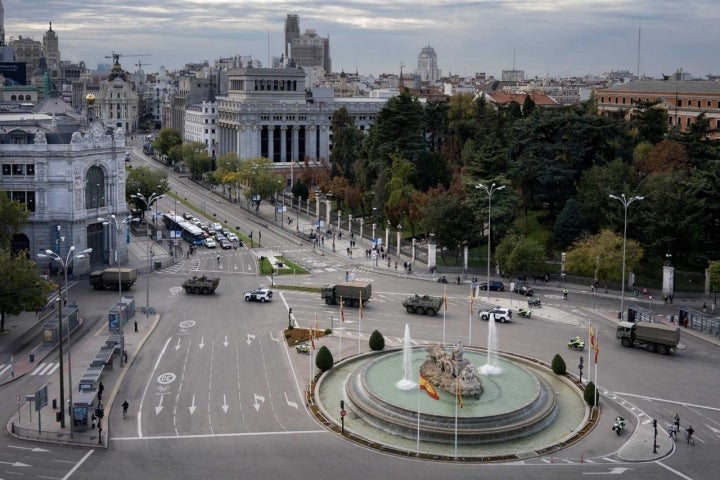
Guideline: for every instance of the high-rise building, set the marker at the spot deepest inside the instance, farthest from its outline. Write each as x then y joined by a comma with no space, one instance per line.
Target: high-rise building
427,68
51,49
311,50
292,31
2,25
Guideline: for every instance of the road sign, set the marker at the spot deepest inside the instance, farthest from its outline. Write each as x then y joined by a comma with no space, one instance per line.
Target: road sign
41,398
343,413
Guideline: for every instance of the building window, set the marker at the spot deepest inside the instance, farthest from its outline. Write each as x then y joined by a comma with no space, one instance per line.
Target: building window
687,121
679,102
6,169
26,198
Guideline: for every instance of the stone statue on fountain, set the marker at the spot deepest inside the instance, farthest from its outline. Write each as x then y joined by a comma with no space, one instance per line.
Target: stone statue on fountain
450,371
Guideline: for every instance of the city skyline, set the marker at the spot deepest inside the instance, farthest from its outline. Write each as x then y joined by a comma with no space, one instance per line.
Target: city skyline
555,38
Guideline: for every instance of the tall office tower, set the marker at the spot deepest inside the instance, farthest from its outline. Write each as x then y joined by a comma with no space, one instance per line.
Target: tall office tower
311,50
292,31
51,48
2,24
427,65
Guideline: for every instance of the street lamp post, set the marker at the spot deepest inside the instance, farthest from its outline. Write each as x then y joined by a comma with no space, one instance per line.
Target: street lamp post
297,221
118,228
148,203
399,234
489,190
626,203
65,264
387,236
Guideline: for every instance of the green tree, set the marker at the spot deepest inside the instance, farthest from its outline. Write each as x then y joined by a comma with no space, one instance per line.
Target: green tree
569,226
376,341
145,181
13,216
589,394
714,271
166,139
21,288
649,120
347,140
196,158
260,177
594,187
324,359
600,256
520,255
399,188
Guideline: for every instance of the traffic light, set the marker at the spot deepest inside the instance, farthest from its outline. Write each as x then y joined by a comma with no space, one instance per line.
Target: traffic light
342,404
654,423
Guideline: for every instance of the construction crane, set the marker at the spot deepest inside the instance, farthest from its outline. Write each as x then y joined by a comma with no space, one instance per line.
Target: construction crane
140,65
116,56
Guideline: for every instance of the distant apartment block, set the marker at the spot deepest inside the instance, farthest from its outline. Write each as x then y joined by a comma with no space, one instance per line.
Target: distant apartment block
427,66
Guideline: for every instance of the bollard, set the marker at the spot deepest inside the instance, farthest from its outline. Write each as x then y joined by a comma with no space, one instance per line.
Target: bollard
136,327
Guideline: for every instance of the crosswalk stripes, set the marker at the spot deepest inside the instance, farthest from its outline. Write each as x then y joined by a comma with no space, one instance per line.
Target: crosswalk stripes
4,368
45,368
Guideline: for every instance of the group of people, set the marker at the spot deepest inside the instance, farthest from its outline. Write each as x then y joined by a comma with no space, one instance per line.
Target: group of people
675,428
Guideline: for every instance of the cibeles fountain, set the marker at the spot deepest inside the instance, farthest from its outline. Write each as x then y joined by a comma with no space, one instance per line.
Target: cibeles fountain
509,405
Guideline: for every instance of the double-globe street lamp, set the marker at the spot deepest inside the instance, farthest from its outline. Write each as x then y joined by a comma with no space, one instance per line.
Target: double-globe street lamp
118,224
626,203
65,263
489,190
154,197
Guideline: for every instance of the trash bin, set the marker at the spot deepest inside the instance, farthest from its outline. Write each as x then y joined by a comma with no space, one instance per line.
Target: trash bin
32,357
279,264
619,315
157,265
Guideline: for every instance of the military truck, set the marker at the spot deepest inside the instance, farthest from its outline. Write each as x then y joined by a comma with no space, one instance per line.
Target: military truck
204,285
654,337
109,278
350,292
422,304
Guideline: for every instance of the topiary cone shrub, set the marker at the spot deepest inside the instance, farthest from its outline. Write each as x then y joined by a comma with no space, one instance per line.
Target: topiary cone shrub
377,341
324,359
558,365
590,394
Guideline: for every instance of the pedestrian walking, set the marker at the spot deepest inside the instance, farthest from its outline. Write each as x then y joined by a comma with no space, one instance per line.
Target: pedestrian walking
677,421
218,258
125,406
565,293
101,389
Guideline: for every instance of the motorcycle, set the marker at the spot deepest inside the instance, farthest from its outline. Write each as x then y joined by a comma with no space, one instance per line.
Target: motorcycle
576,344
442,279
525,312
619,425
535,302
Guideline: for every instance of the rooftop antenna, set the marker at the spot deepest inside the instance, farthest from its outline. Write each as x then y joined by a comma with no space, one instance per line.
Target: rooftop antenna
513,60
268,49
638,52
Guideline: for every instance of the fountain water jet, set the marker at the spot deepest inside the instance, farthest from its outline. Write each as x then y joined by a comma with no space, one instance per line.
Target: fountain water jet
491,367
406,383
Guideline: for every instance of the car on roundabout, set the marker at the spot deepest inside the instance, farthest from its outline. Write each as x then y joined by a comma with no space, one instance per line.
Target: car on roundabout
260,294
210,242
494,286
501,314
523,289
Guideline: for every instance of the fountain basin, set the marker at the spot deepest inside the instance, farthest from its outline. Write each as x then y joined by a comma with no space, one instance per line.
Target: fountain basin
515,404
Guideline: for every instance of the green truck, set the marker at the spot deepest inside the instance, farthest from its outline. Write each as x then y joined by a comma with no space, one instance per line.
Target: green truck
422,304
654,337
351,293
111,278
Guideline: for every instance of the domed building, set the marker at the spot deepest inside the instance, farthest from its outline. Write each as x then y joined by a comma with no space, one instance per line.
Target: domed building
116,102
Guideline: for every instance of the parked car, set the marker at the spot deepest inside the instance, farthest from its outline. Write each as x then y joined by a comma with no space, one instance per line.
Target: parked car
210,243
225,243
260,294
217,226
187,216
502,314
232,237
524,290
494,286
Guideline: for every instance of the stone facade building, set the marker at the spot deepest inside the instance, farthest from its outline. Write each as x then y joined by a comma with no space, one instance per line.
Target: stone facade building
68,175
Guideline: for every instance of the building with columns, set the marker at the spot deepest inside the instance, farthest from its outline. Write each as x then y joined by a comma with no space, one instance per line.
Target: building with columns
201,126
117,100
271,113
67,174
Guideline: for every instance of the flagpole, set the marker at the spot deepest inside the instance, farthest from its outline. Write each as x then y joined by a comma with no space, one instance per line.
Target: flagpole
597,350
359,323
312,350
457,392
342,320
417,445
591,341
470,321
444,312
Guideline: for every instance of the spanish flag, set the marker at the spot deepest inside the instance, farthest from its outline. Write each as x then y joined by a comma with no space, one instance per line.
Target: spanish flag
597,349
428,387
312,334
591,334
342,310
361,312
445,299
458,393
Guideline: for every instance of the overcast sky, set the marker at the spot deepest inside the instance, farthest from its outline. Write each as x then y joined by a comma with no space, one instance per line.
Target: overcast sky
555,37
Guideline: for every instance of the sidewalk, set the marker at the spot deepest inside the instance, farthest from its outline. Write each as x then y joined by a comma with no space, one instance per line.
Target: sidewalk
25,424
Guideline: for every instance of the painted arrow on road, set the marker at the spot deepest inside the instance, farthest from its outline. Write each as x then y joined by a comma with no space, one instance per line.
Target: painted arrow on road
202,342
15,464
250,338
291,404
273,338
32,449
224,406
159,408
226,343
192,407
259,400
177,345
614,471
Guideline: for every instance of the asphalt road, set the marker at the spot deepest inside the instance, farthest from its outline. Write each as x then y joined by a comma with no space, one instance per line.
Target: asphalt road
215,393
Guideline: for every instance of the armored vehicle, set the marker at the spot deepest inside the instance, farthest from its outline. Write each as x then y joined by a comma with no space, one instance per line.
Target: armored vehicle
204,285
422,304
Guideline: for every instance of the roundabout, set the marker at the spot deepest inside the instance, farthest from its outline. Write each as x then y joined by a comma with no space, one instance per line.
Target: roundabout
525,409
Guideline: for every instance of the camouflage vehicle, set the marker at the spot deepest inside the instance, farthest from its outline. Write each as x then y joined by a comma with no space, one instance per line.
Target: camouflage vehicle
204,285
422,304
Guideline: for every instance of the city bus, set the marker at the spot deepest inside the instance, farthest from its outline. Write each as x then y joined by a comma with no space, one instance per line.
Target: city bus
189,232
